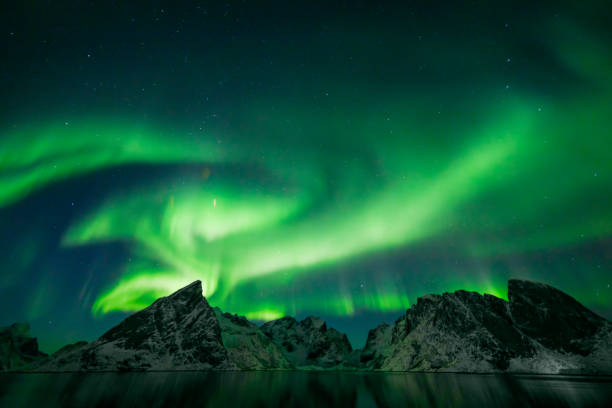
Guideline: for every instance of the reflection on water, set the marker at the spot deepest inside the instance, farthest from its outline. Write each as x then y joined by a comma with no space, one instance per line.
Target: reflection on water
302,389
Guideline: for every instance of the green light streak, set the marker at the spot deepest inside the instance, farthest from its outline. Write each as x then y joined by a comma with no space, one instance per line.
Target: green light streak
229,235
130,296
243,237
60,150
339,174
264,315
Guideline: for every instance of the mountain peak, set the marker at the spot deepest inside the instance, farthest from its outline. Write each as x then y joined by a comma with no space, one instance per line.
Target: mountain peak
552,317
515,284
314,322
193,288
179,331
540,329
309,342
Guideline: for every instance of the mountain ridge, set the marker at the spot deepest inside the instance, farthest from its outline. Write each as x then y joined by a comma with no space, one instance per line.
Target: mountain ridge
539,329
179,331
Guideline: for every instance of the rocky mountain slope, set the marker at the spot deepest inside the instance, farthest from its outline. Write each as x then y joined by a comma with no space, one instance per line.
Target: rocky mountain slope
540,329
309,343
17,347
247,346
177,332
379,340
569,337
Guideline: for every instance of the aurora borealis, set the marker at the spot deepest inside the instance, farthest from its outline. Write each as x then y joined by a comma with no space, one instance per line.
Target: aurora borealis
299,159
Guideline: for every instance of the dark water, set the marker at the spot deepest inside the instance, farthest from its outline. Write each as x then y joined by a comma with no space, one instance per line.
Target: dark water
307,389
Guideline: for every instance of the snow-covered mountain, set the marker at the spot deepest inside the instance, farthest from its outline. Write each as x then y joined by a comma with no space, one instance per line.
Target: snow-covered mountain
309,343
178,332
247,346
540,330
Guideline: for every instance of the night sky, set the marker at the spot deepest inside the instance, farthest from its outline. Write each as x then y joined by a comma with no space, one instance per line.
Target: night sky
299,158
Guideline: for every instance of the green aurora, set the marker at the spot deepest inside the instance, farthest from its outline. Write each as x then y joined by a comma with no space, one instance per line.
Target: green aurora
227,235
304,205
